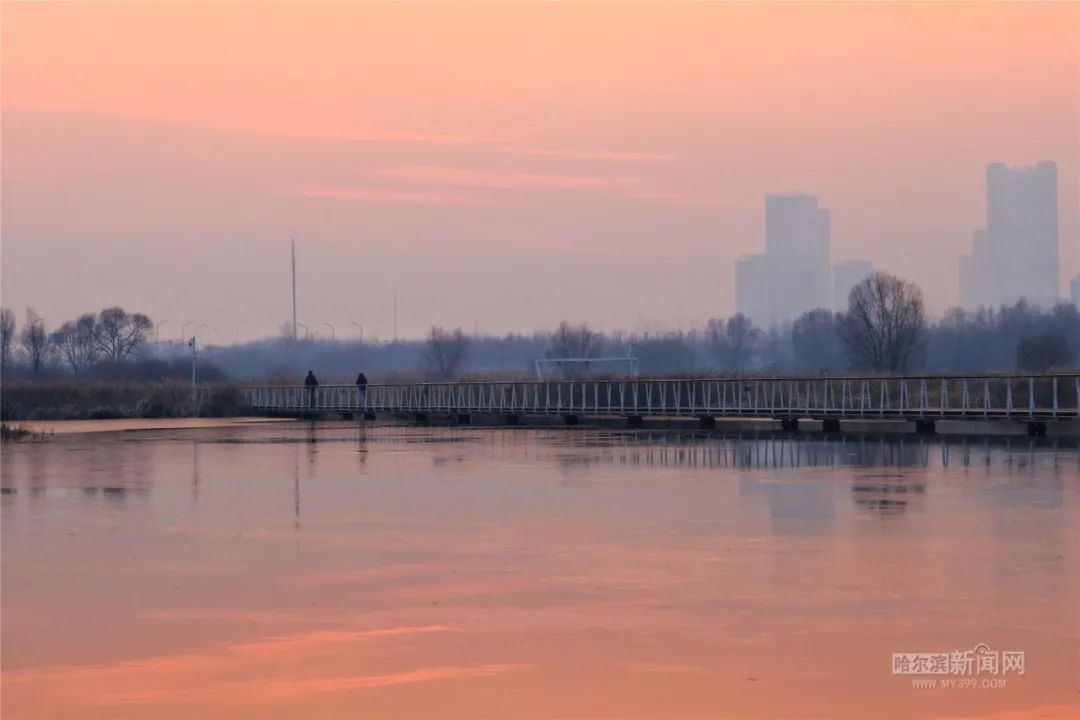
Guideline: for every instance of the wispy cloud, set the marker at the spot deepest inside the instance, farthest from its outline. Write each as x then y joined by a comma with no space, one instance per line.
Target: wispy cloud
391,197
636,188
667,196
613,155
267,125
506,179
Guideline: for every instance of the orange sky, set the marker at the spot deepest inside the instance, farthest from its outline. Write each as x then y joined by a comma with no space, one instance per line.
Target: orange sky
602,162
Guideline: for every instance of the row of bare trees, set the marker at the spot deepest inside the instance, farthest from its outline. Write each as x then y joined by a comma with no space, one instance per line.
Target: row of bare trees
110,336
881,330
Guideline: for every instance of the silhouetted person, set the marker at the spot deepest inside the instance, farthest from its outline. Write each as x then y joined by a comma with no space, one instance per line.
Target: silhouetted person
311,382
361,389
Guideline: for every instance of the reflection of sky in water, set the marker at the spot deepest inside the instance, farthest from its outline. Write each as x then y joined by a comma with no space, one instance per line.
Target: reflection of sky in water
328,571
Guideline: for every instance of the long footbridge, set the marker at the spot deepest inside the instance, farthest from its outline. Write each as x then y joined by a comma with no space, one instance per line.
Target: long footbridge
1033,399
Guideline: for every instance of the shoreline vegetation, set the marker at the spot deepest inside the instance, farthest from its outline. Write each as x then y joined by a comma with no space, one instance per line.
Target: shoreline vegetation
16,432
71,400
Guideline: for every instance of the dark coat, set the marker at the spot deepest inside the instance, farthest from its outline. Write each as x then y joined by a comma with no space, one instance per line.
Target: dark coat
311,381
361,380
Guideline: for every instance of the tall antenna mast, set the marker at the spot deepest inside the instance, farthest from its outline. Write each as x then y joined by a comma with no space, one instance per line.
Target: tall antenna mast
293,288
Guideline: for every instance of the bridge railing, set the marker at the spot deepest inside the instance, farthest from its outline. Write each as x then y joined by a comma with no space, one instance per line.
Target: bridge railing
972,396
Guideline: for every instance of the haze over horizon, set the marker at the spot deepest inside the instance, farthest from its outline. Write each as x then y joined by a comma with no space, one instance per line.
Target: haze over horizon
504,166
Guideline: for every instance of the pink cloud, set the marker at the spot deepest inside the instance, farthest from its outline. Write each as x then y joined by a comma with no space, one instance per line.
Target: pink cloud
319,639
506,180
666,196
383,135
391,197
632,187
614,155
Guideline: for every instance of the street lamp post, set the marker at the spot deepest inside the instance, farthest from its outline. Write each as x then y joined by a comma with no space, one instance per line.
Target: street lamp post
333,332
194,354
183,330
157,330
361,331
307,332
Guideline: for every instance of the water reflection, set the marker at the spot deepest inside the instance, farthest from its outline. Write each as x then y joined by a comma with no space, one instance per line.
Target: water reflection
327,570
888,495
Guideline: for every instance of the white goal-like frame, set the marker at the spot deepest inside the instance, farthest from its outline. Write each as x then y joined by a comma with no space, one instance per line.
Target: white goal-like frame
632,363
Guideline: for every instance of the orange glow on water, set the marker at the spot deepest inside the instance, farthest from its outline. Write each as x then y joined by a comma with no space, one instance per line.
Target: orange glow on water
279,571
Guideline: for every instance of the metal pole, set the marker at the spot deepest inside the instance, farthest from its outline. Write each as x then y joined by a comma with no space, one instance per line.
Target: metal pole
361,331
333,332
194,355
157,330
293,242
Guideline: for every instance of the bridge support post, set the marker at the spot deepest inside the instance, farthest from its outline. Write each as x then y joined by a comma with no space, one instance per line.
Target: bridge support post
830,425
789,424
635,421
707,422
1036,429
570,420
463,419
925,427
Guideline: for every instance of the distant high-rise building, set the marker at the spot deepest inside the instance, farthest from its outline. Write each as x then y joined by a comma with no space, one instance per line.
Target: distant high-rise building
847,275
1016,256
976,276
756,276
794,274
969,293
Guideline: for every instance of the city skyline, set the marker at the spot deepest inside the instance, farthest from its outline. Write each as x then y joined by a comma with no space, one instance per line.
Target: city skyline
615,181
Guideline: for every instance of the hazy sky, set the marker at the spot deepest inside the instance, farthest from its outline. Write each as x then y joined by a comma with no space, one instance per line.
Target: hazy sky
504,166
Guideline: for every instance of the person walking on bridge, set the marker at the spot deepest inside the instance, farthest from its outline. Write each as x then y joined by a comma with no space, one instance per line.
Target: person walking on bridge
361,390
311,382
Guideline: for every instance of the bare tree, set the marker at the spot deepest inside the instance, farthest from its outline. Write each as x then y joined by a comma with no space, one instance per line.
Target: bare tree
35,341
7,337
884,323
120,334
815,342
733,341
77,342
444,353
572,342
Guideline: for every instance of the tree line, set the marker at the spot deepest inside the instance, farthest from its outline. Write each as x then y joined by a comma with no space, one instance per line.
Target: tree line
105,339
883,329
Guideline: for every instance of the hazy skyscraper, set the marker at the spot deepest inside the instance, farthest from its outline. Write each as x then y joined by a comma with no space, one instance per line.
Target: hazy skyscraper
1016,256
755,279
795,273
847,275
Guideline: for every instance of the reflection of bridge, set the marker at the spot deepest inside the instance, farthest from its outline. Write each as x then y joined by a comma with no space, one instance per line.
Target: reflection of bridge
1034,399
